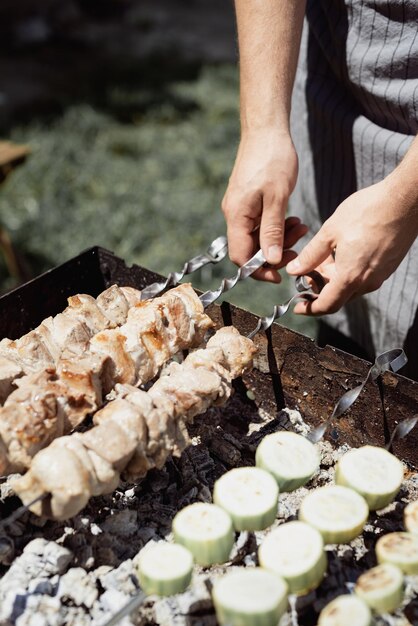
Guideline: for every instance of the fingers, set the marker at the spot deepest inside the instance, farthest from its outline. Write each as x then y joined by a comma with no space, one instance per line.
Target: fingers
242,215
271,274
268,274
294,230
272,228
333,296
312,255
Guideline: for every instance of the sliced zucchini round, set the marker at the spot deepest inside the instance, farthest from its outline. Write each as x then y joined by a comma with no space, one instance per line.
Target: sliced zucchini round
206,530
346,610
400,549
411,517
373,472
381,588
249,597
337,512
164,568
295,551
289,457
249,495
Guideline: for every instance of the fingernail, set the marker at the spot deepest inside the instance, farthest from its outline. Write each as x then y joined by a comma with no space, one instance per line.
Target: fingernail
294,265
274,254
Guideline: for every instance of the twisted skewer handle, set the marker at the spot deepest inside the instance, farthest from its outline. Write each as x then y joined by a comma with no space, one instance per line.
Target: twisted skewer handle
391,360
402,430
227,284
215,253
279,310
307,290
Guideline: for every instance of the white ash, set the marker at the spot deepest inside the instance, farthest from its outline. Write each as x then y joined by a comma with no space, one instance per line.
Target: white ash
198,598
31,574
297,421
78,587
41,610
122,578
111,602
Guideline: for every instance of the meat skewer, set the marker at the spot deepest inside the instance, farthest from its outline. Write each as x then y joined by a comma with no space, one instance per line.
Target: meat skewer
136,431
68,333
52,402
64,335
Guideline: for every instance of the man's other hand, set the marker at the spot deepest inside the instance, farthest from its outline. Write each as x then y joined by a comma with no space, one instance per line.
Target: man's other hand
360,245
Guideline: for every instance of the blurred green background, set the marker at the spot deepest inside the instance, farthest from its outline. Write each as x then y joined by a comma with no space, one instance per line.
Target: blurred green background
134,154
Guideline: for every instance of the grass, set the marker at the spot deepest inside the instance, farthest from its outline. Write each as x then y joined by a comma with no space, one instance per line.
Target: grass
148,187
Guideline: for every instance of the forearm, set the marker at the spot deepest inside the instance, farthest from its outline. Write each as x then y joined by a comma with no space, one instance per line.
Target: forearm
403,185
269,33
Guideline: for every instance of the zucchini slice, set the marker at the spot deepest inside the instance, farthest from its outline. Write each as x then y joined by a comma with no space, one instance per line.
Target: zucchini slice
164,568
337,512
249,495
381,588
346,610
206,530
289,457
373,472
400,549
295,551
411,517
249,597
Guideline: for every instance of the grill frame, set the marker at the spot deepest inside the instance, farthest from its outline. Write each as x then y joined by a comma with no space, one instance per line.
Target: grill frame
290,370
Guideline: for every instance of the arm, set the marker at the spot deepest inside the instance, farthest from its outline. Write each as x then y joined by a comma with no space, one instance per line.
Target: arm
265,170
371,232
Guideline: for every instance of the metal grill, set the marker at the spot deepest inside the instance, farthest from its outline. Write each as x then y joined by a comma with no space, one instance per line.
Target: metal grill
292,378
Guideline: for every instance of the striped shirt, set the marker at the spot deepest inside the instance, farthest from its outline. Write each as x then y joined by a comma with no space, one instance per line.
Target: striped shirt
354,116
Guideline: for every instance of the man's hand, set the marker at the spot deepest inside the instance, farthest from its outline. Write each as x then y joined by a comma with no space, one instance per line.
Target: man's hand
256,200
361,244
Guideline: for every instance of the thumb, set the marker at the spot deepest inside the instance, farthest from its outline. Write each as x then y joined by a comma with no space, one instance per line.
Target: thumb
272,231
314,253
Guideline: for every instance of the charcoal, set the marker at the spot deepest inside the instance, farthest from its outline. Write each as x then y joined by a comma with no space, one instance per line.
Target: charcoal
7,550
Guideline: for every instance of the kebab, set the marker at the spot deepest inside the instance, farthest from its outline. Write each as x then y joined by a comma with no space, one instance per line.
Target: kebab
135,432
68,333
52,402
64,336
56,400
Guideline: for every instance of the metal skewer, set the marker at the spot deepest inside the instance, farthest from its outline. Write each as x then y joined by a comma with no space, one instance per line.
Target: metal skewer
227,284
215,253
306,291
20,511
391,360
279,310
402,430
